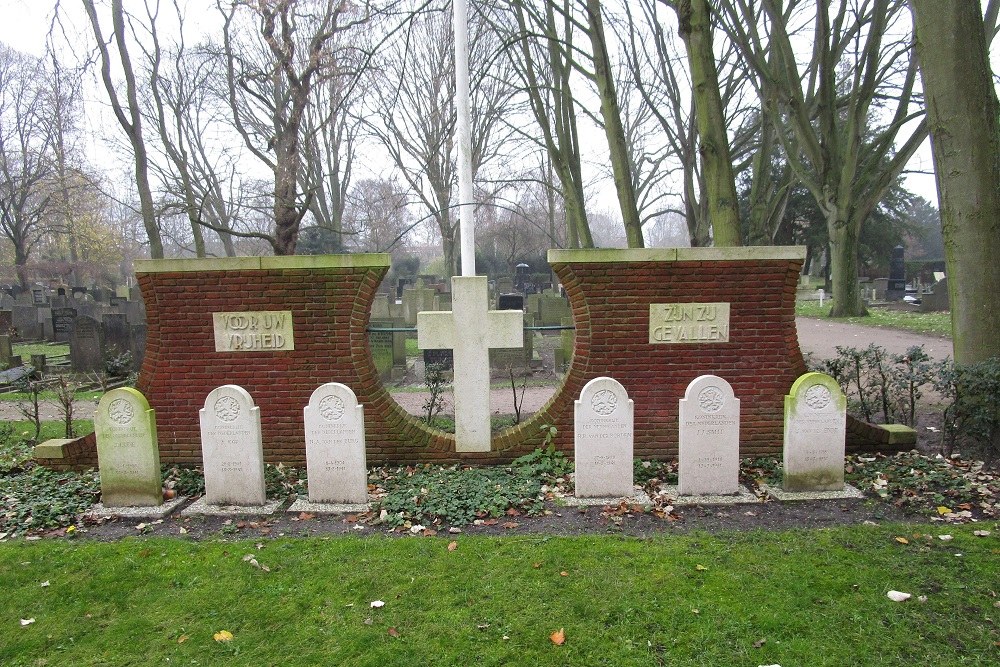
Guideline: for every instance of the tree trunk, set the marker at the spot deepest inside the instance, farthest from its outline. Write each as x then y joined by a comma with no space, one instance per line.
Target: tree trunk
964,120
717,167
844,244
613,128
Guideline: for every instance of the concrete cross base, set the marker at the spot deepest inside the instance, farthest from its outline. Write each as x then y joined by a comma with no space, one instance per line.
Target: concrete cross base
640,498
780,494
202,506
742,495
150,511
302,505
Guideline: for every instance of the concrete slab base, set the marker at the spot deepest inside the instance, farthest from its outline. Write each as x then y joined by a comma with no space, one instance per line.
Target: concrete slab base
742,495
303,505
148,512
201,507
638,499
779,494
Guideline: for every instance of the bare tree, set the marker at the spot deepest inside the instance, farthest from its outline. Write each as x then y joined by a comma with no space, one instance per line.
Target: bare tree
841,111
27,136
129,115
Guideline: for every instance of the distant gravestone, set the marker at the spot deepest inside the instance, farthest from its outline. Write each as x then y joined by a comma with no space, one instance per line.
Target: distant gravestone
897,275
380,344
85,346
380,307
138,345
602,444
510,302
335,446
6,321
127,454
709,421
39,296
117,335
815,435
63,320
445,359
25,322
6,352
231,447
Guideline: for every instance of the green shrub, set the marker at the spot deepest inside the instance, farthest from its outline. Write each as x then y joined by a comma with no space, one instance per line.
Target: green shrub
39,498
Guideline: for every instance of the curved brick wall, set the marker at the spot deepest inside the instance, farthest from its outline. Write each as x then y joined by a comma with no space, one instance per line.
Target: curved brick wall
330,299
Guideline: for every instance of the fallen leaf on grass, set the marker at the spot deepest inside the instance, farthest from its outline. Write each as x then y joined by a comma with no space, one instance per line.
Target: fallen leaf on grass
393,632
760,642
45,584
27,621
696,612
182,639
981,533
509,524
564,573
377,603
452,546
902,540
942,510
223,636
700,567
536,565
945,538
897,596
558,637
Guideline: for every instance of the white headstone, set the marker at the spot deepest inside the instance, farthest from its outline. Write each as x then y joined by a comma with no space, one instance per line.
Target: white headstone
127,454
231,448
815,435
335,446
709,422
603,440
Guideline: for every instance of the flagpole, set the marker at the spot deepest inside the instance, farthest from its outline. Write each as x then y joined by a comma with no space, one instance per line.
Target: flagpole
463,131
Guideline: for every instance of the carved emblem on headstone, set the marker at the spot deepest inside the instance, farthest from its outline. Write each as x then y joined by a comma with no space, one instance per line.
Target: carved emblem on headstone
604,402
711,399
818,397
227,409
120,411
332,408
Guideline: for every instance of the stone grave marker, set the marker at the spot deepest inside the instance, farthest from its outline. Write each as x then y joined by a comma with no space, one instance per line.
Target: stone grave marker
6,353
117,336
510,302
25,322
138,336
815,435
602,444
62,323
231,447
6,321
85,346
709,423
443,358
380,344
335,446
127,454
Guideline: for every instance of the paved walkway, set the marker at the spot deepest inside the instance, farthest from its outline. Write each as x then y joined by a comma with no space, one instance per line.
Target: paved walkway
819,337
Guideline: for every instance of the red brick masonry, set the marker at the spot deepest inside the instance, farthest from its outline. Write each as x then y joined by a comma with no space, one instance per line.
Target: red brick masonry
330,298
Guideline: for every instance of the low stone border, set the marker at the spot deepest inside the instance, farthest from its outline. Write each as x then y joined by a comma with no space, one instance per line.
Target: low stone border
202,507
302,505
150,512
638,499
778,494
742,495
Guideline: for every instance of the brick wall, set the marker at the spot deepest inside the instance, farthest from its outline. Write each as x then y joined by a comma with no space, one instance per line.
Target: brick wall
330,299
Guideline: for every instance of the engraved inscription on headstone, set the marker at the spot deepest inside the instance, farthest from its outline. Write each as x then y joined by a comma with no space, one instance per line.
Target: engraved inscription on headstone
689,323
127,454
815,435
603,440
709,438
231,447
261,331
62,323
335,446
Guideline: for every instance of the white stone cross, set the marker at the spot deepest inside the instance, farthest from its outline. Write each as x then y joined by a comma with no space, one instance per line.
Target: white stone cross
470,329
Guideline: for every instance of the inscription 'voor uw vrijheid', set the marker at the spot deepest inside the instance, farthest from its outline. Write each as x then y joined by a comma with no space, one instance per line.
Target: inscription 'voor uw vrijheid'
689,323
260,331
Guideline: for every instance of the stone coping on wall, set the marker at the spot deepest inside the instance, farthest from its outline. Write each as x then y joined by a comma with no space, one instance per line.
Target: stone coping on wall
363,260
620,255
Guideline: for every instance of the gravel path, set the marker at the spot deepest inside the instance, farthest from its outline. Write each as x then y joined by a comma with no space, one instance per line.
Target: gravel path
818,337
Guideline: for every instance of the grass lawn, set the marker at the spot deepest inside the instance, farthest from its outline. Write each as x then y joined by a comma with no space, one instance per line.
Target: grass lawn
28,349
16,396
790,598
936,324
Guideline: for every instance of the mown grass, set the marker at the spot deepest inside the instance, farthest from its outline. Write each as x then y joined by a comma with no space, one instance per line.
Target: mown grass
48,395
936,324
28,349
791,598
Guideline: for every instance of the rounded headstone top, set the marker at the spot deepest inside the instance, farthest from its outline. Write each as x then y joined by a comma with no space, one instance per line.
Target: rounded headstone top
710,393
603,396
123,405
817,392
333,400
228,402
